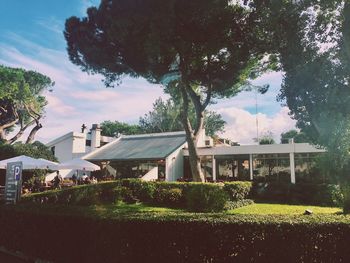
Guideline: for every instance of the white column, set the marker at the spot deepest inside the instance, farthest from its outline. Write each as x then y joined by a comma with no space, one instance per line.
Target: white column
214,168
251,167
292,167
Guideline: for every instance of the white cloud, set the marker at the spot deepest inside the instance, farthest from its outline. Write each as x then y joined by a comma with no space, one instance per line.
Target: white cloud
77,97
81,98
241,125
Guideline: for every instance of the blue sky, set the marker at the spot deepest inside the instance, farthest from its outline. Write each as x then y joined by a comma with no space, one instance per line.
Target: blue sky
31,37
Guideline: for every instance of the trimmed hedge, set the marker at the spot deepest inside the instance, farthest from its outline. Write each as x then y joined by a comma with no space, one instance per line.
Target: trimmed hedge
303,193
238,190
206,197
199,197
195,238
237,204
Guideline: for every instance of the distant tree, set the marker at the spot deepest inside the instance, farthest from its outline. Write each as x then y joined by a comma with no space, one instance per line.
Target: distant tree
203,49
166,117
115,128
266,138
298,137
21,102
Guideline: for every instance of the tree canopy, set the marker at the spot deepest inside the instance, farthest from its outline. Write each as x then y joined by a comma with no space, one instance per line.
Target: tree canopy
203,49
166,117
265,138
113,128
21,101
298,137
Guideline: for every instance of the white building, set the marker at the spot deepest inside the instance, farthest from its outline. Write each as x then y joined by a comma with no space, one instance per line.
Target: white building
164,156
77,144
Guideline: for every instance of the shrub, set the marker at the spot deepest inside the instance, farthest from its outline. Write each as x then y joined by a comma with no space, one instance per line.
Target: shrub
128,195
142,190
238,190
141,238
206,197
237,204
168,197
305,193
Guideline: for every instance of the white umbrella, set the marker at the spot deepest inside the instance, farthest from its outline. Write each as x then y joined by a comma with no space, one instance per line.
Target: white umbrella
49,164
79,164
28,163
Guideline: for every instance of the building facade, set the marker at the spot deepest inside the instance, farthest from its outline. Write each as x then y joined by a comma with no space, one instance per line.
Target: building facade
77,144
164,156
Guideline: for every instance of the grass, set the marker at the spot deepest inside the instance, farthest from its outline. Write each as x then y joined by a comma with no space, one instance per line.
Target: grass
119,210
282,209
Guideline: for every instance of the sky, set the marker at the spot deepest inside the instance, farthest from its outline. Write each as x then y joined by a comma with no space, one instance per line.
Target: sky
31,37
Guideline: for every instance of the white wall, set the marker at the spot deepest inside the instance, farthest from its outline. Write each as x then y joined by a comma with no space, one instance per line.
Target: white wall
79,142
64,149
174,165
152,175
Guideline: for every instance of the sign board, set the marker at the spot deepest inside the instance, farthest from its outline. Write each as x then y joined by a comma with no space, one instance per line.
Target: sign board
13,186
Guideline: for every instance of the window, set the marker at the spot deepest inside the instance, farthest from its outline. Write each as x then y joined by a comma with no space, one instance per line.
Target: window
88,143
53,150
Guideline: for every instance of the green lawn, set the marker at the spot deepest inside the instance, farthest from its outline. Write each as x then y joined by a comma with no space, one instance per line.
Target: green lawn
272,209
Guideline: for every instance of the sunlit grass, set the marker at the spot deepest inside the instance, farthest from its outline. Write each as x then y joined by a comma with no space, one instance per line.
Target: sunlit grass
282,209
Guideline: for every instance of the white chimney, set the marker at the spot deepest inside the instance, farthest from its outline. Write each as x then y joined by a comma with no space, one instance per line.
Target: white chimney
95,136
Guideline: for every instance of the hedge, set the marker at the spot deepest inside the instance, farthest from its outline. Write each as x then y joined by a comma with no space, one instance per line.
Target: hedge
199,197
303,193
195,238
238,190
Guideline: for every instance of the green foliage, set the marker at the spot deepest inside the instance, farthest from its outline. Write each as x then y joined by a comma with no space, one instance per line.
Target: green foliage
266,138
166,117
109,192
21,100
224,238
203,50
238,190
206,197
298,137
115,128
169,197
237,204
144,191
300,193
346,194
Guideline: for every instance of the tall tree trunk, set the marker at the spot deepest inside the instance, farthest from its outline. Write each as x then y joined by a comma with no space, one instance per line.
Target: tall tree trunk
192,138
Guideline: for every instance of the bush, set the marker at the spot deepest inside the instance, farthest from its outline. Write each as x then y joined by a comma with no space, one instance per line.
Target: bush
238,190
80,195
141,190
168,197
237,204
206,197
304,193
143,238
128,196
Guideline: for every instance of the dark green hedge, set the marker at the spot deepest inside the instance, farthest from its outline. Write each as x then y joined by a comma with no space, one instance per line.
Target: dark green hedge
199,197
188,239
303,193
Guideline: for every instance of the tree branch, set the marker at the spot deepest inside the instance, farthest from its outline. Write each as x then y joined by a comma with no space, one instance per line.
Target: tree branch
20,133
33,132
